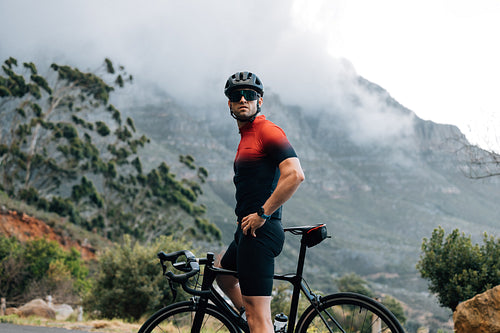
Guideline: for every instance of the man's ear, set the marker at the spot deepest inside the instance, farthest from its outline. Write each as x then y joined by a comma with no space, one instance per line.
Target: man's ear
260,101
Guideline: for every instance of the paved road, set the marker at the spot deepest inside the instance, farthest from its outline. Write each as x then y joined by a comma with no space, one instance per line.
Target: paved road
9,328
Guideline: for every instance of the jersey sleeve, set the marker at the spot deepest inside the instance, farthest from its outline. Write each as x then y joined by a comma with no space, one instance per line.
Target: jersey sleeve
276,144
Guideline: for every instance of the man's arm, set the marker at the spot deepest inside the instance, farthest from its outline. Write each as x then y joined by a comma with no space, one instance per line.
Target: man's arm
291,175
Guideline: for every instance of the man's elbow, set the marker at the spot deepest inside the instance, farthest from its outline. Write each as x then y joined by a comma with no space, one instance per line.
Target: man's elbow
291,169
299,176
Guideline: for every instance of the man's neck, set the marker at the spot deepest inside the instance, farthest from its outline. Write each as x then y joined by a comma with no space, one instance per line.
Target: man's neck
242,123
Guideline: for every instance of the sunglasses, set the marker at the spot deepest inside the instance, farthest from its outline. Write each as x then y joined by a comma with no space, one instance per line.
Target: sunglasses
250,95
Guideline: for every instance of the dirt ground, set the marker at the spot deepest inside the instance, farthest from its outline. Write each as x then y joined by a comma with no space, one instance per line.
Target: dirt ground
25,227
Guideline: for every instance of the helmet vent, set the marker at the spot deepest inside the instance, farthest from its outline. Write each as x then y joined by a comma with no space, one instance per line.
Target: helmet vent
245,80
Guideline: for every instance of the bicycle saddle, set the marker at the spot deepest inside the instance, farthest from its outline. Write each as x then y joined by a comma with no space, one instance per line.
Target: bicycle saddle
303,229
311,234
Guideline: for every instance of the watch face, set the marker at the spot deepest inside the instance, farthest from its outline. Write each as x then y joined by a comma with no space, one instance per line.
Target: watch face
260,212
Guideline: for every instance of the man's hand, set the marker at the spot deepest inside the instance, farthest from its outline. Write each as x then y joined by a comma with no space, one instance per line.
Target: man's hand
251,223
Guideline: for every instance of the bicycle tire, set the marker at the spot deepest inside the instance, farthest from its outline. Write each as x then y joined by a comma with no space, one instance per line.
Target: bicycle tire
178,317
352,312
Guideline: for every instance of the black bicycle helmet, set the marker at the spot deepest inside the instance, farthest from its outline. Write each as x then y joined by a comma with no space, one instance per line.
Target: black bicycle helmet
241,80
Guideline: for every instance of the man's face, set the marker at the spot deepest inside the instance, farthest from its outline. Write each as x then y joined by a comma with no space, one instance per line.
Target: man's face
241,107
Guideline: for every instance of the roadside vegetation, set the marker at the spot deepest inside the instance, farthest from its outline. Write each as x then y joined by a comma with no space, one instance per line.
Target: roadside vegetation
457,269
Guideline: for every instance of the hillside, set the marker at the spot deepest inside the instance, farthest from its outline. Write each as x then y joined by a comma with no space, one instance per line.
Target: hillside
26,223
25,227
380,193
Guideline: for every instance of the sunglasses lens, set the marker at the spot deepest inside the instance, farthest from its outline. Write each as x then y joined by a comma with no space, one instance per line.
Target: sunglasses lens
249,95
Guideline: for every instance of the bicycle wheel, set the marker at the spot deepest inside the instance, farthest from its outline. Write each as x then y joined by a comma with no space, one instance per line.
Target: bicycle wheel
348,313
179,317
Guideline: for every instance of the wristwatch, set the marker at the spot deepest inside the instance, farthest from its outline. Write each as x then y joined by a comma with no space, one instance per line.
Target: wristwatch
260,212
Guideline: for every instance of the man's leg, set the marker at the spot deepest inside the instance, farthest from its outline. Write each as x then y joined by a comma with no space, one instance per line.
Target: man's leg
229,284
258,310
231,287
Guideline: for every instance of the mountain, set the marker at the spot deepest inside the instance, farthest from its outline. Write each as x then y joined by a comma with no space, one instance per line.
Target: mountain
380,178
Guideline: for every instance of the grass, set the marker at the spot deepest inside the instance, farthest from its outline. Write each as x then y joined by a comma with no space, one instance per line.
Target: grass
106,326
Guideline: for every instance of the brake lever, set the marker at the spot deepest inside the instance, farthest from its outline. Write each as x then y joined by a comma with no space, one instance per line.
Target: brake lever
170,282
172,288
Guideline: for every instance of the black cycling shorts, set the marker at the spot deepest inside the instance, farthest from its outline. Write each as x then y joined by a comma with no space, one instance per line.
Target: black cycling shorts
253,257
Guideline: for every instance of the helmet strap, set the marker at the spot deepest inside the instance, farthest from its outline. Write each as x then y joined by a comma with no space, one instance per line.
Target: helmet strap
249,119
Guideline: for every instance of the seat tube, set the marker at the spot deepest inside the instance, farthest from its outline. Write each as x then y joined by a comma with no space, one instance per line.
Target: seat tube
296,288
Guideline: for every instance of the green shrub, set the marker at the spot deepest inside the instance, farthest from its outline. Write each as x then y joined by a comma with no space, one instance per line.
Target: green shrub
354,283
130,281
40,267
395,307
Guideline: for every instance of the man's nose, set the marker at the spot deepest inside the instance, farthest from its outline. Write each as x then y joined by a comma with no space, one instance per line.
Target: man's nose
242,99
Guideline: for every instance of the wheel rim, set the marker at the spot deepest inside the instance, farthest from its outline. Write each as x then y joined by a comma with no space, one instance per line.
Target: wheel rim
180,319
349,316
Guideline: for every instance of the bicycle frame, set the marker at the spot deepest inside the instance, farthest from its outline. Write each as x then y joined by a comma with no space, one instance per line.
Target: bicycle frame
209,293
209,301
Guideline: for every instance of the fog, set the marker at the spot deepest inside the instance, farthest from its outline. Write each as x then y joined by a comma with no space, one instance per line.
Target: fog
187,49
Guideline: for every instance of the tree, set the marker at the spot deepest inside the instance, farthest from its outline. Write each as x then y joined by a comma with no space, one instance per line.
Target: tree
479,163
457,270
12,268
38,268
65,148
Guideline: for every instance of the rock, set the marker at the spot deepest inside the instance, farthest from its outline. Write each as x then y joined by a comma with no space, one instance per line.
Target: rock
11,311
63,311
480,314
37,307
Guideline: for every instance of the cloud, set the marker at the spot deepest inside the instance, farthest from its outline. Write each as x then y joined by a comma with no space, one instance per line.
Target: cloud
370,119
181,45
189,48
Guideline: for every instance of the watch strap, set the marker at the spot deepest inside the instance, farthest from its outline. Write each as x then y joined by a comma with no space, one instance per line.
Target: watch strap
260,212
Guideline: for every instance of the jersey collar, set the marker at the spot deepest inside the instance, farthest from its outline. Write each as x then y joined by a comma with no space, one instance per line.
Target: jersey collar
260,118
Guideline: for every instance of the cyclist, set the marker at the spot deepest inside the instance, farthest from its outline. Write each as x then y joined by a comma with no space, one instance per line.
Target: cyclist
267,173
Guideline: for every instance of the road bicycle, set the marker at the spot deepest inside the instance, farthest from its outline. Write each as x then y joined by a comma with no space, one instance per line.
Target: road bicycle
208,310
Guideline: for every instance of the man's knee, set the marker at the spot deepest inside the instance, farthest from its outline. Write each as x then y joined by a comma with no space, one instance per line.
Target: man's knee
258,306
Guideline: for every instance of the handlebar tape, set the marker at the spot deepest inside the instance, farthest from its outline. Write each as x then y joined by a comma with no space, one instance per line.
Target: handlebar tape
192,267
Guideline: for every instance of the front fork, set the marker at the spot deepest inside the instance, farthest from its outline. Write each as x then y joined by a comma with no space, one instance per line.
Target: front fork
200,305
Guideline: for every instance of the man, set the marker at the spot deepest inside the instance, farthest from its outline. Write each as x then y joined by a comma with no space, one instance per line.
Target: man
267,173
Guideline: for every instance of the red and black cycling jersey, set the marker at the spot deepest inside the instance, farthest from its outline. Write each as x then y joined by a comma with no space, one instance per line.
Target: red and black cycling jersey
262,148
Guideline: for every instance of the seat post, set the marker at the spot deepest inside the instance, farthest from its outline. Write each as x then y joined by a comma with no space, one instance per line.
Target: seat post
302,258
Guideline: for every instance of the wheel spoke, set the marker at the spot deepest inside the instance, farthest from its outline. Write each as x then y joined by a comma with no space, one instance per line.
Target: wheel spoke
180,318
350,314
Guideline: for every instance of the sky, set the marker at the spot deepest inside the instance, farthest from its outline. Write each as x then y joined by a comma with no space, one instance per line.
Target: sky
437,58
